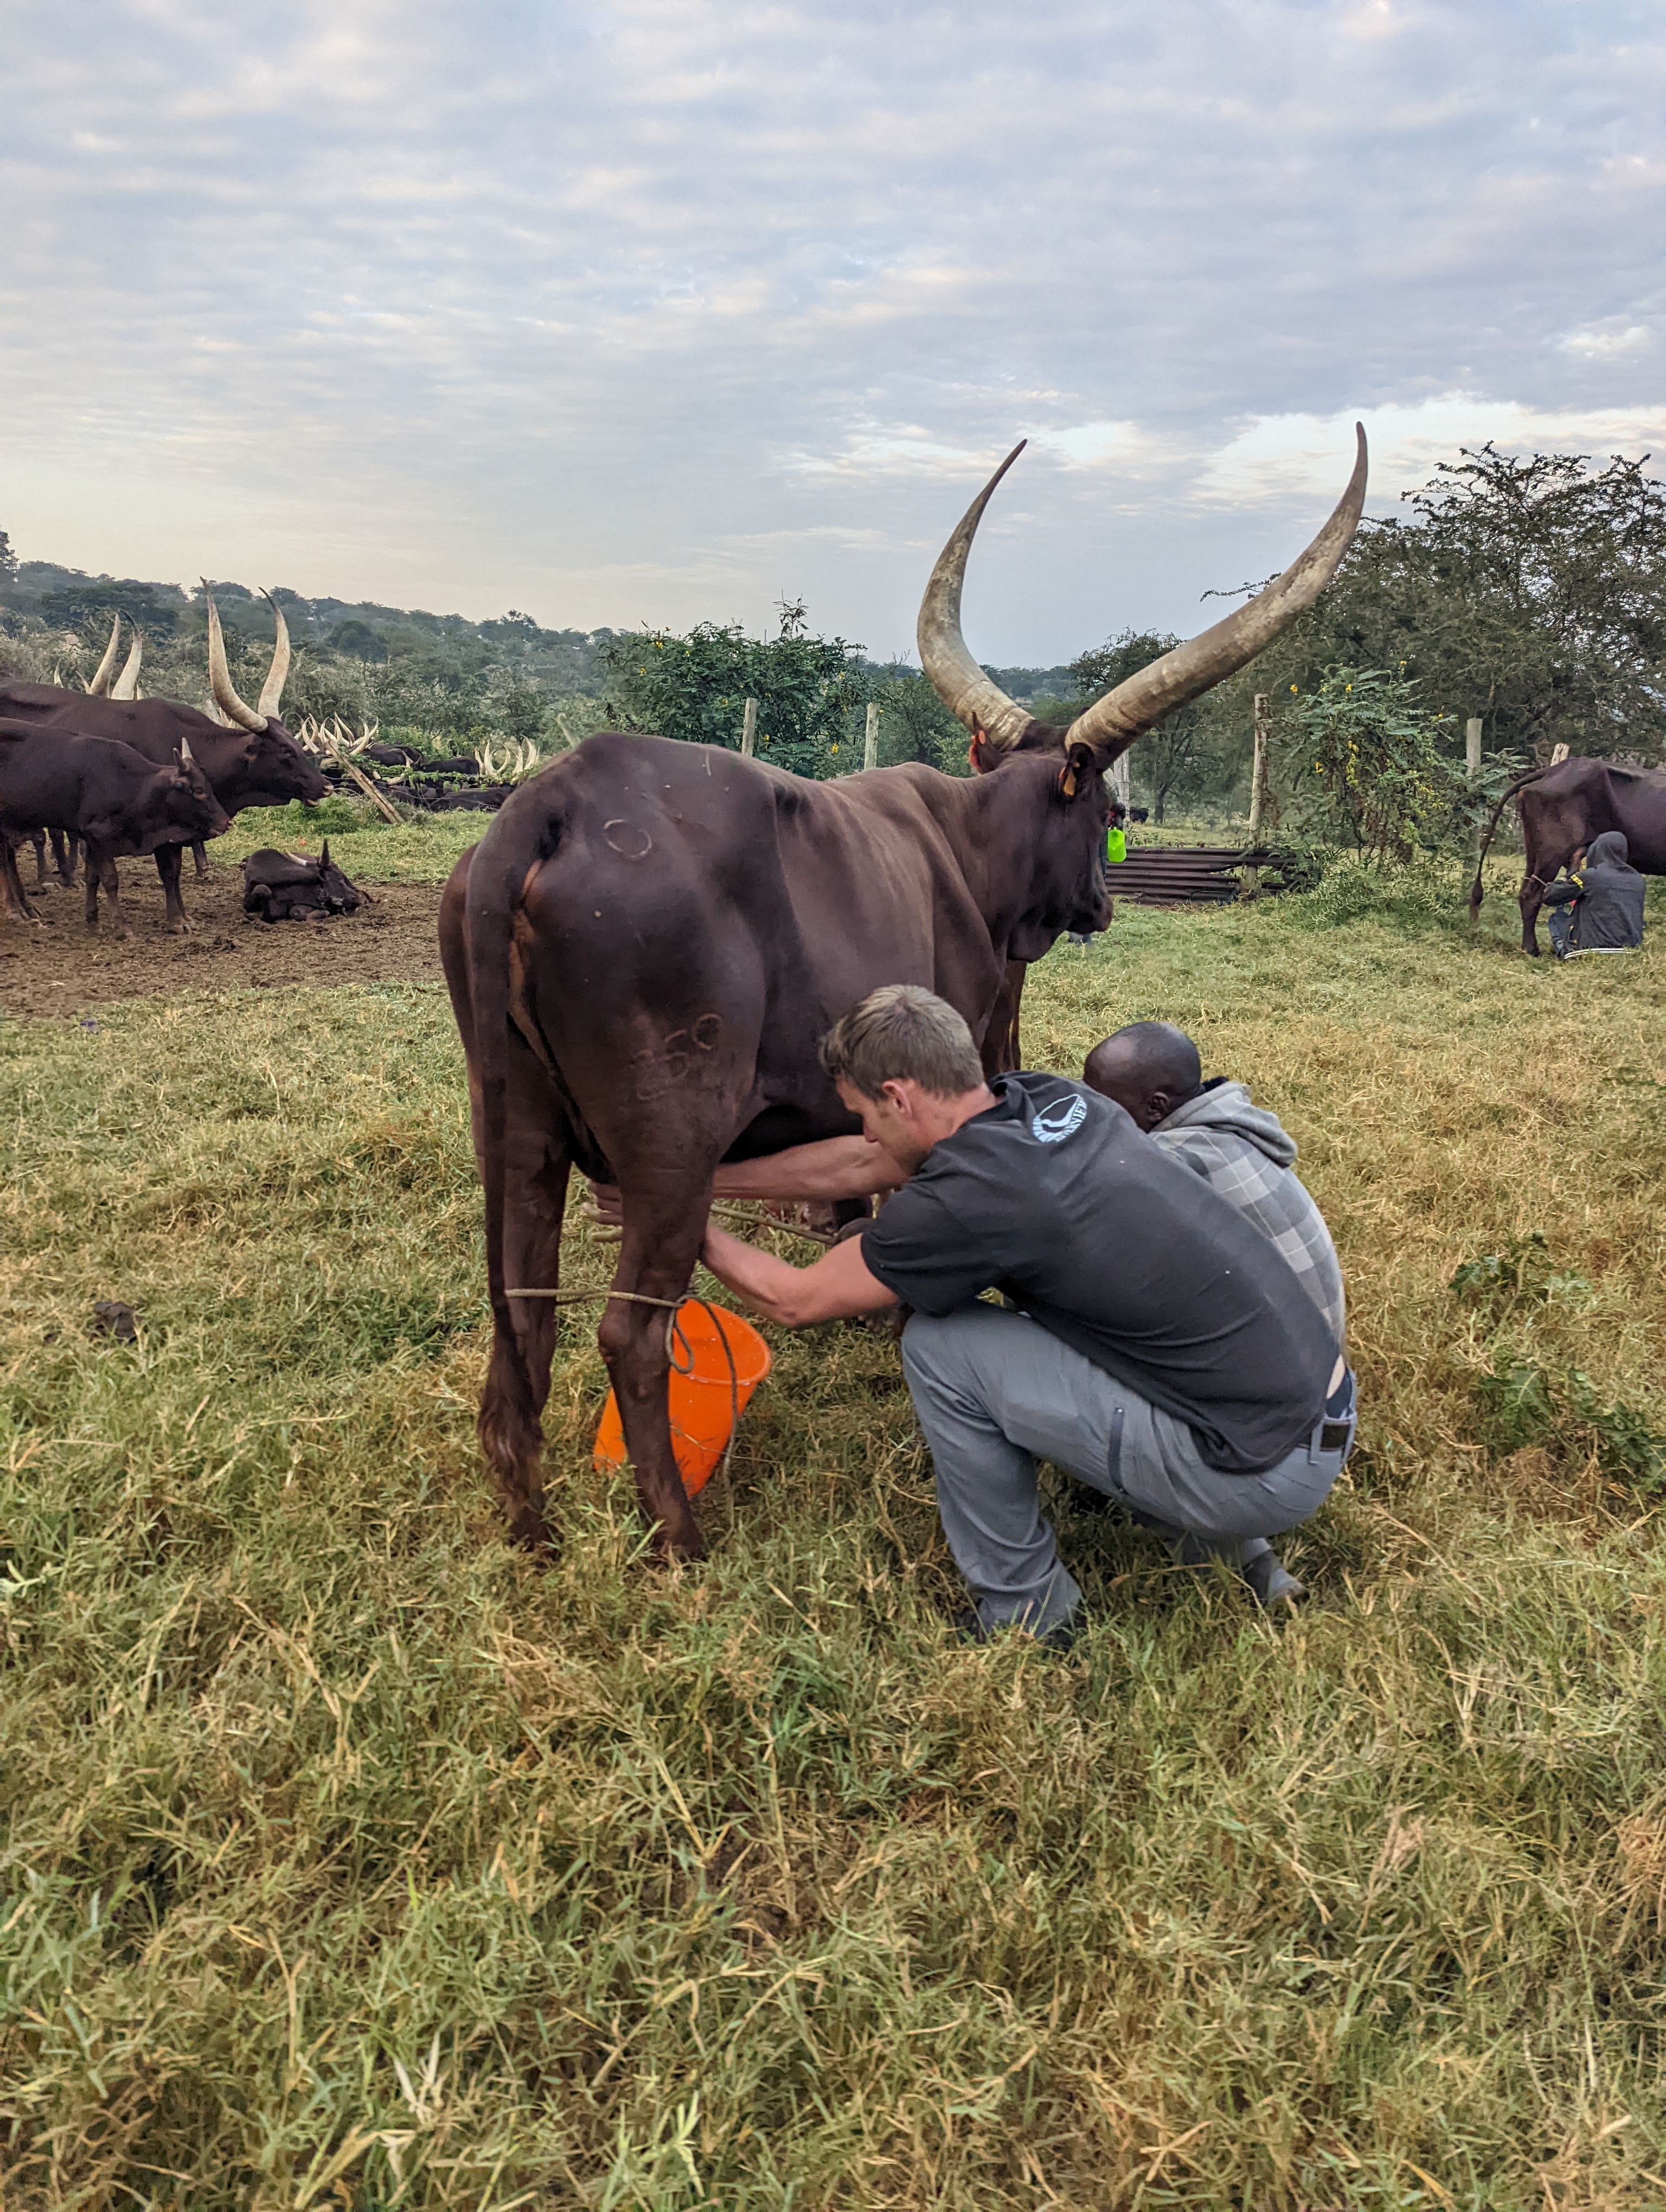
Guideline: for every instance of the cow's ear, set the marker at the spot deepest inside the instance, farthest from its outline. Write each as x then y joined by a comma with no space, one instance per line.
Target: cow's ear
981,755
1077,773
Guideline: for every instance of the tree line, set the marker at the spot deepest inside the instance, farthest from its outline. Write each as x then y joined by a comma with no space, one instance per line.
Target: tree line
1527,593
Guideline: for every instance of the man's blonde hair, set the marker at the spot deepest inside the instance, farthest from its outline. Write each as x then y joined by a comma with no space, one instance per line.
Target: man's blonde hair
900,1034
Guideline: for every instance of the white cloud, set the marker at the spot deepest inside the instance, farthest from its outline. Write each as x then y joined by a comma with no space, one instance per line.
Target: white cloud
1605,342
1284,457
462,305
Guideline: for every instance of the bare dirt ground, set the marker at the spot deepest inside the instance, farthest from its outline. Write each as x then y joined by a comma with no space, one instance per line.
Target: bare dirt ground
62,967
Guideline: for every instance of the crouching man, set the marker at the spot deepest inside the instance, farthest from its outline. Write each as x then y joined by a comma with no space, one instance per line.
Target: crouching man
1240,1149
1150,1345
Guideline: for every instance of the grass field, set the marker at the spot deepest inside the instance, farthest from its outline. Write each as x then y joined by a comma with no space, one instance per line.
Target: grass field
350,1860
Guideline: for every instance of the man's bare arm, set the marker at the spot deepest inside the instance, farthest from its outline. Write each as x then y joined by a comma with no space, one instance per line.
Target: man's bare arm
836,1286
834,1167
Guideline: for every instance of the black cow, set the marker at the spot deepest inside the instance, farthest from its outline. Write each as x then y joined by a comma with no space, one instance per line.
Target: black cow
486,799
254,762
108,795
289,887
391,756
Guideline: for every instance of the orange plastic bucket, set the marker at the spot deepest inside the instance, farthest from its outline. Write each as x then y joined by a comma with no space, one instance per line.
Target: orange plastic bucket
708,1400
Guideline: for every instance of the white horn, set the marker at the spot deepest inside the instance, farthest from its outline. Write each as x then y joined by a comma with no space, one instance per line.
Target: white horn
100,683
271,691
126,686
977,699
220,682
1111,724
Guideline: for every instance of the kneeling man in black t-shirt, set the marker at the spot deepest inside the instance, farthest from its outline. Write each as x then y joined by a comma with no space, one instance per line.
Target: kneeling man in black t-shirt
1154,1343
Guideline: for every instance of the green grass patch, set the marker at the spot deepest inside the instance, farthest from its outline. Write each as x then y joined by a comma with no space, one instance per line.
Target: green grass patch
423,849
349,1859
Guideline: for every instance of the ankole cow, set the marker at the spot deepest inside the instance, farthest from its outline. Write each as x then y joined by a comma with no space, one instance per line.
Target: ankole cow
647,944
249,758
113,798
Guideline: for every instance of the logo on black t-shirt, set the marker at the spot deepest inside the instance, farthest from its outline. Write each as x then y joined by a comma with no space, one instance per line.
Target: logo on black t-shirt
1061,1121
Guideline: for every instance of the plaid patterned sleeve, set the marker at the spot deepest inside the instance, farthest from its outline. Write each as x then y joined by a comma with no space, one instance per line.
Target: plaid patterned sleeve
1275,1199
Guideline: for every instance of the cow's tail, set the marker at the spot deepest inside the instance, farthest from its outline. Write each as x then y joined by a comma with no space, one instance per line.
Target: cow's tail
511,1434
1505,798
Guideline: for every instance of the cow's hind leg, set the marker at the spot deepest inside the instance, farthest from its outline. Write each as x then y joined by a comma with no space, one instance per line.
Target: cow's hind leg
526,1202
167,867
63,856
534,1201
38,839
657,1256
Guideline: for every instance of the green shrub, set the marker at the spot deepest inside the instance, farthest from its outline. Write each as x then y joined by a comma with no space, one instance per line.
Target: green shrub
1522,1405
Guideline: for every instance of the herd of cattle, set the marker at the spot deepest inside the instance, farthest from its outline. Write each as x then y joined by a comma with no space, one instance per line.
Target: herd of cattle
117,776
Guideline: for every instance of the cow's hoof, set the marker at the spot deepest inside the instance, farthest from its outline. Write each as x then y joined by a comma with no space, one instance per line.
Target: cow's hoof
681,1541
181,928
529,1531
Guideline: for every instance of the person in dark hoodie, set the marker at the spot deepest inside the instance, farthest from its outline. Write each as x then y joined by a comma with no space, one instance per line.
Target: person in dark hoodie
1598,906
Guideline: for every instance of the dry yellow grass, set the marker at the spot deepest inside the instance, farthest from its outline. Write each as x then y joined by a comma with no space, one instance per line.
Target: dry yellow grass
350,1860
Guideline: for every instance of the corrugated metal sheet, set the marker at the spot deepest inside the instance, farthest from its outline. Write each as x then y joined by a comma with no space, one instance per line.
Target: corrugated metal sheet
1185,875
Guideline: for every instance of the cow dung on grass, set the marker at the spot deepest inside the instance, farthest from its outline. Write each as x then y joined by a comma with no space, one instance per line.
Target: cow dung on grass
290,887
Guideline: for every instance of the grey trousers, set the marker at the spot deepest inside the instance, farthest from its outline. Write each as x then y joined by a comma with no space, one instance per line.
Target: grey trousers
995,1392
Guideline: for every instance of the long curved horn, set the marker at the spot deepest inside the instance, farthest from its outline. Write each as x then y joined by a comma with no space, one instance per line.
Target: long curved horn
955,677
100,683
1112,724
126,686
271,691
220,682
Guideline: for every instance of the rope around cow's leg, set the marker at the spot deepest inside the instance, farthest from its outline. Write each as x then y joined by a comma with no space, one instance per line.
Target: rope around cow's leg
673,1332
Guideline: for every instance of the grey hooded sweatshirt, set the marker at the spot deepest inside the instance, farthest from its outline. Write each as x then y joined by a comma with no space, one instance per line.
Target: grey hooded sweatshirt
1248,1156
1606,897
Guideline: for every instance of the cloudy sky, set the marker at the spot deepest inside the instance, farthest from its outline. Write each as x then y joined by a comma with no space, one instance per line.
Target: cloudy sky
660,310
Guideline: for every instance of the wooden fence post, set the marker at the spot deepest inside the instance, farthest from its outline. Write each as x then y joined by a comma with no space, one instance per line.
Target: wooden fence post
1257,789
1258,768
1472,746
871,739
749,729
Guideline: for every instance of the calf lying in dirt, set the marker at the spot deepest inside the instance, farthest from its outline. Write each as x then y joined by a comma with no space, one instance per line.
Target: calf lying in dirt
289,887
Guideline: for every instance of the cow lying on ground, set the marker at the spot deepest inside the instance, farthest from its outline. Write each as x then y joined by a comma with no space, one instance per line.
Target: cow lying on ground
289,887
434,798
113,798
645,948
